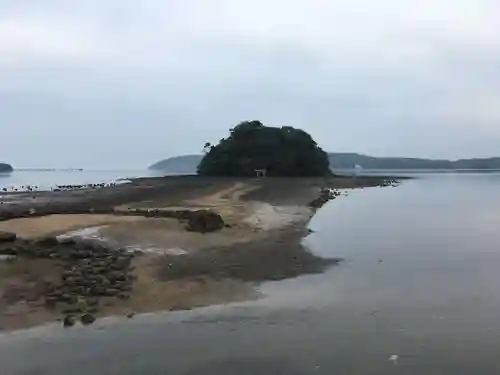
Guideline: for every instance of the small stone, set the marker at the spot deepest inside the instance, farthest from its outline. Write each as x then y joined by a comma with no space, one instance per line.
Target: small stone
69,298
130,314
87,319
50,302
46,241
7,237
112,291
69,321
124,287
8,250
98,291
117,276
92,301
123,296
66,241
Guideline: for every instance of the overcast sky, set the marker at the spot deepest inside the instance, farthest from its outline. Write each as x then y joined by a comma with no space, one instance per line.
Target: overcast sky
123,83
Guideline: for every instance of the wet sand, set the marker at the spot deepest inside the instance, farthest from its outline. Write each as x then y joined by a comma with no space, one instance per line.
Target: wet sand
266,220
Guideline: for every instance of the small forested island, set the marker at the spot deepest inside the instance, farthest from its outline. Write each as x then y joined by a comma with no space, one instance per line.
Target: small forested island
252,148
6,168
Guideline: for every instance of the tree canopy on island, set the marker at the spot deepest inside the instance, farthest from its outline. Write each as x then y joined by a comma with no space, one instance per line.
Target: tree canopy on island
251,146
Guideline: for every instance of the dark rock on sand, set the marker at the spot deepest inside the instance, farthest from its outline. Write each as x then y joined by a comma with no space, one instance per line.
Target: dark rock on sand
50,302
205,221
46,241
7,237
123,296
87,319
69,321
66,241
325,195
7,249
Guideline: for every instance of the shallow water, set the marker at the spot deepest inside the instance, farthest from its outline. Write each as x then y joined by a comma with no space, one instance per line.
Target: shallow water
419,285
45,180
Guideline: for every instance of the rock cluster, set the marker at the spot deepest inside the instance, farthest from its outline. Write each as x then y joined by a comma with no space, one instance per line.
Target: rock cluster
84,186
202,221
6,237
390,182
325,195
58,188
89,270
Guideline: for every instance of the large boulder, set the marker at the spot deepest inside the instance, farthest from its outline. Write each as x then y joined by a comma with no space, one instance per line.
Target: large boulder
205,221
7,237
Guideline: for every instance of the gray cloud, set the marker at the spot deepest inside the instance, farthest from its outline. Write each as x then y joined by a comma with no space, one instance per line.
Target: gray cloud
123,83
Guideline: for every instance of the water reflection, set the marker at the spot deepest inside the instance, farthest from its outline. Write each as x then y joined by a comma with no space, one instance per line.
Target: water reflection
420,281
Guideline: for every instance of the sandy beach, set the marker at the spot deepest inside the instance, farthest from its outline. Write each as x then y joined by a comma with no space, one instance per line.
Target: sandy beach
171,268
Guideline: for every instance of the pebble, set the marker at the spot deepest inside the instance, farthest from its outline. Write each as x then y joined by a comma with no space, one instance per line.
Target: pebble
69,321
87,319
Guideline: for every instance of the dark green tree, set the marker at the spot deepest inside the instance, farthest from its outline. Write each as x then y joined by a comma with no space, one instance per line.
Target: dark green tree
207,147
284,151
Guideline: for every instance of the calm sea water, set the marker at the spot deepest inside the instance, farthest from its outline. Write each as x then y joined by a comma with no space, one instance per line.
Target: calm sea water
44,180
418,293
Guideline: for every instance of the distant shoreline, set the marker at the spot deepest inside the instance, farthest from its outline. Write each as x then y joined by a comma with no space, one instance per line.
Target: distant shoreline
46,180
340,161
411,171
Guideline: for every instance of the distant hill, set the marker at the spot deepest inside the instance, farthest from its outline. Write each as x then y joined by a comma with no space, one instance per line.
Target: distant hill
5,168
189,163
178,164
350,160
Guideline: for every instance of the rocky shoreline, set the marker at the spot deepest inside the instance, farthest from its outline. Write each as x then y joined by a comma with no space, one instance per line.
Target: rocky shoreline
85,271
85,277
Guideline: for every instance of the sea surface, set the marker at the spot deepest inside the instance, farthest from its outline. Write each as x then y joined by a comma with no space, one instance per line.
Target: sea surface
47,179
418,293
